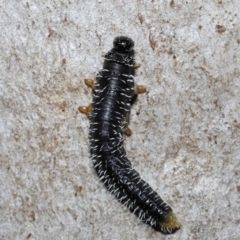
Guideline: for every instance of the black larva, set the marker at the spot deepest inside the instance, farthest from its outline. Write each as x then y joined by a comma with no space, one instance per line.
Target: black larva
112,94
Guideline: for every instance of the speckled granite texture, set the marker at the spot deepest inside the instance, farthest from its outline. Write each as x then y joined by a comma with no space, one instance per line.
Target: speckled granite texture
186,129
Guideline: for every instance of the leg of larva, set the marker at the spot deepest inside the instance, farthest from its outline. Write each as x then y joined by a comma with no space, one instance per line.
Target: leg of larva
103,54
90,83
139,89
137,65
85,109
127,130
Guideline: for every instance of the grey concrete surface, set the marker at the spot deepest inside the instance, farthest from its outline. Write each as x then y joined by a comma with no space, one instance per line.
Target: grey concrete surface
186,128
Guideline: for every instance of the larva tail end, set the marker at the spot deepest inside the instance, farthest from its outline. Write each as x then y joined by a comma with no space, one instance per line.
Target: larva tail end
170,224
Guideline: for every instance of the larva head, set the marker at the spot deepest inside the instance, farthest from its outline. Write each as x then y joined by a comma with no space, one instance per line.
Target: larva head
122,51
123,44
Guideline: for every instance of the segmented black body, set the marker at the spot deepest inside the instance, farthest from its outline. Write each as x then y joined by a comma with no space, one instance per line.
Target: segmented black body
112,96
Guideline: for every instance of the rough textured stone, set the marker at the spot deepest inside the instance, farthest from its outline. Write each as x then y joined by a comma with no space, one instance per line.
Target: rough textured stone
186,128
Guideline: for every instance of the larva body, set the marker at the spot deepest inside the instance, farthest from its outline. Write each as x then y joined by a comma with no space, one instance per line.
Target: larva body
112,94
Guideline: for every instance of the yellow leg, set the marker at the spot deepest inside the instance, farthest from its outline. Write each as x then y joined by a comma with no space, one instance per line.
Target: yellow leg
140,89
137,65
127,131
85,110
89,83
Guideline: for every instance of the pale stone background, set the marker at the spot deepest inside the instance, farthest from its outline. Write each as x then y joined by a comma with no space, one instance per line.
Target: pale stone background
186,140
